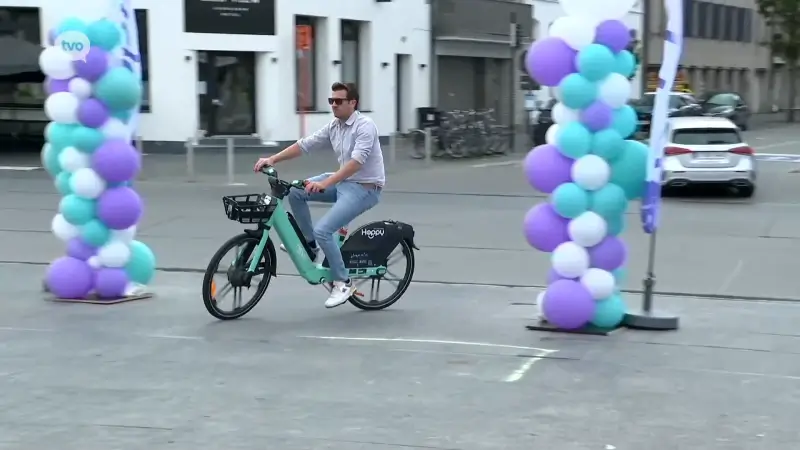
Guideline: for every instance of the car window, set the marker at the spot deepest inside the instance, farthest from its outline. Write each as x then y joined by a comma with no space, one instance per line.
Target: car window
706,136
723,99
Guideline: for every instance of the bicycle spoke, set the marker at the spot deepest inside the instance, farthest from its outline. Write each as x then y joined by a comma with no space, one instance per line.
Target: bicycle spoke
224,291
237,298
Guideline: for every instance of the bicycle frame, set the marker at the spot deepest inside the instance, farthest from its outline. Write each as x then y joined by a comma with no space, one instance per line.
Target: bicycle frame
313,273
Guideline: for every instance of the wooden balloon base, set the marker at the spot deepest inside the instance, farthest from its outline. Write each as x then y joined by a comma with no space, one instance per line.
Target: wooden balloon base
543,325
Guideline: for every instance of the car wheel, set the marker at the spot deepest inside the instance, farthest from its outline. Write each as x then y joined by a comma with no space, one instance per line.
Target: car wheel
746,191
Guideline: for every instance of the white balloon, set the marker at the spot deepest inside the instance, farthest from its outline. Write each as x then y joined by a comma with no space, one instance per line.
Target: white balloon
588,229
598,10
62,107
114,254
80,88
71,159
63,229
577,32
56,63
570,260
87,183
126,235
115,129
94,262
563,115
540,306
599,282
591,172
134,289
115,57
46,149
615,90
550,135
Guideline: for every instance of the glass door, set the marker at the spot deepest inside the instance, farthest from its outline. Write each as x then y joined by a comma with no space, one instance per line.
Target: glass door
226,92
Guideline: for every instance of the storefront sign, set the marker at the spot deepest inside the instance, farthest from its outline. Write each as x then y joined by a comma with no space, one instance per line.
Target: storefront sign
229,16
681,81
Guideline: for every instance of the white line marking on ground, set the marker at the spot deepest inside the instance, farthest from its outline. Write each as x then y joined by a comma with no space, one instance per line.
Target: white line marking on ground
776,145
171,336
526,366
726,283
543,351
35,330
496,164
21,168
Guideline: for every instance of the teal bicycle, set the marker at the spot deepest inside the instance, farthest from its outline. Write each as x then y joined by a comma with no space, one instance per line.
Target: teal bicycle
369,254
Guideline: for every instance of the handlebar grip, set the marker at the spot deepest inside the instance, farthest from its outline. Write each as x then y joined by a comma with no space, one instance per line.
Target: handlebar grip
266,169
305,183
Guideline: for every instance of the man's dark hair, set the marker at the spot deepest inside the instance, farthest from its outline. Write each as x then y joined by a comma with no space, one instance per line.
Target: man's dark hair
350,88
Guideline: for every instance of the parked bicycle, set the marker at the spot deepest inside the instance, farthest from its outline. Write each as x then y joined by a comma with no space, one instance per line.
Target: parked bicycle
463,134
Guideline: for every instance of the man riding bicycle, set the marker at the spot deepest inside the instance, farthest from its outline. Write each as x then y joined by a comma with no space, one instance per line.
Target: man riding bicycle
353,189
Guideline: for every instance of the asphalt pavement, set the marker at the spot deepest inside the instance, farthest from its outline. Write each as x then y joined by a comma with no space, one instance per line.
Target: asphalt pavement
450,366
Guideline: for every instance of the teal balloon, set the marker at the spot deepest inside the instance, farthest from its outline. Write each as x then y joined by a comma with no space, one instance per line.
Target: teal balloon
62,183
615,225
59,135
609,201
630,169
625,63
50,159
95,233
142,265
105,34
595,62
87,139
609,312
78,211
71,24
574,140
123,116
607,144
620,275
624,121
577,92
570,200
119,89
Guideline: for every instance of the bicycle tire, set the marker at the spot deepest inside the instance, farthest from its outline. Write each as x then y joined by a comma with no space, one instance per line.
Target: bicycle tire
401,289
211,270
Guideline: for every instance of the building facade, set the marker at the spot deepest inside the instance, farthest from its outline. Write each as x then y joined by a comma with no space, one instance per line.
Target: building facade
262,67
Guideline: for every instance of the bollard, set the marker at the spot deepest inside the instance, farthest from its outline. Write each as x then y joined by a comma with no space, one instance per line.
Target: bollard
428,146
229,157
392,148
190,143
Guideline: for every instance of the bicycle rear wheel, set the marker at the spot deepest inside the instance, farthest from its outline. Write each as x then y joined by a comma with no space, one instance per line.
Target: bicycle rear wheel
399,278
234,277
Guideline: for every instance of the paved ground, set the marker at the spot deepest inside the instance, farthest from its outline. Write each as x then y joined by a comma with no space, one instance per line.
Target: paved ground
450,367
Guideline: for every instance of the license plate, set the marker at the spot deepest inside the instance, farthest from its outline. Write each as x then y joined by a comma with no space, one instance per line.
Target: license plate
711,156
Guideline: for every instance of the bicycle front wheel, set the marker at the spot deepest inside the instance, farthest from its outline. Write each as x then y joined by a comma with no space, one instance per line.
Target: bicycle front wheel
225,277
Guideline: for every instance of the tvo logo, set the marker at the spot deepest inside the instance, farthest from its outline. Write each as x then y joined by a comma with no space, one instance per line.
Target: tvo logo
373,233
75,44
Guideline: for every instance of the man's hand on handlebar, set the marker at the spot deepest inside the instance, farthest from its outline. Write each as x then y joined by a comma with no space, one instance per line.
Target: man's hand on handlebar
313,187
263,162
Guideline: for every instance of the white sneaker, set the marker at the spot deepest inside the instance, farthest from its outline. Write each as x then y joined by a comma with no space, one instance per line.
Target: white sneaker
319,256
339,294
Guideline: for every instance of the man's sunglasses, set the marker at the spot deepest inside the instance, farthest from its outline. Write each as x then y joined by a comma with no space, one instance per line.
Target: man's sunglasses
337,101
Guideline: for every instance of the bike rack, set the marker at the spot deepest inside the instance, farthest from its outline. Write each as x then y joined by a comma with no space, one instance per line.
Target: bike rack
193,143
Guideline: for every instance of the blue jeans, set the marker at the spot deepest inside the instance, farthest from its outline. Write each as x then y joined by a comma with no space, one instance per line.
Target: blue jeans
349,199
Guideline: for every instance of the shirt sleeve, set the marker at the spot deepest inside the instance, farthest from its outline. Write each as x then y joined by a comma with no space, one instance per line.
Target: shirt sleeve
366,135
319,139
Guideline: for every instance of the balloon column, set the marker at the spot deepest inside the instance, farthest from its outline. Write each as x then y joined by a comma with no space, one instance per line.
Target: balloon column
88,151
587,166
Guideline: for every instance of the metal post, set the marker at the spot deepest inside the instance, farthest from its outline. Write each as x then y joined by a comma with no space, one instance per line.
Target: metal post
230,160
644,63
428,146
649,281
392,148
647,318
190,143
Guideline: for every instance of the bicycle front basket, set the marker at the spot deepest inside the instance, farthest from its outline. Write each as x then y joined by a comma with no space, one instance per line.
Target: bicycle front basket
248,208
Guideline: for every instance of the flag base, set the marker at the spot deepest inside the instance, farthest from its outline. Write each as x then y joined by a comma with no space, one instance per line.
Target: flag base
651,321
543,325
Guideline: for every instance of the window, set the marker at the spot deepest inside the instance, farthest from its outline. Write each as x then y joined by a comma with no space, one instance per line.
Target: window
688,15
724,99
306,63
703,29
22,90
716,21
350,51
144,52
738,19
728,23
706,136
747,29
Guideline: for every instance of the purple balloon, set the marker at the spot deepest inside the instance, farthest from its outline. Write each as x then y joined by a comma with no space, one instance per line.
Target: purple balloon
52,86
116,161
69,278
568,305
553,276
549,60
597,116
119,208
110,283
94,66
546,168
93,113
544,228
614,34
78,249
610,254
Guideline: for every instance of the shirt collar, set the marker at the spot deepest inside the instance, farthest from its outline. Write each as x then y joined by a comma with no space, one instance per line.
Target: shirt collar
351,120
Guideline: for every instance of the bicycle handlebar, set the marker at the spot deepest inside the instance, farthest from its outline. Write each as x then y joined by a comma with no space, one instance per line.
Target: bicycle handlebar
297,184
